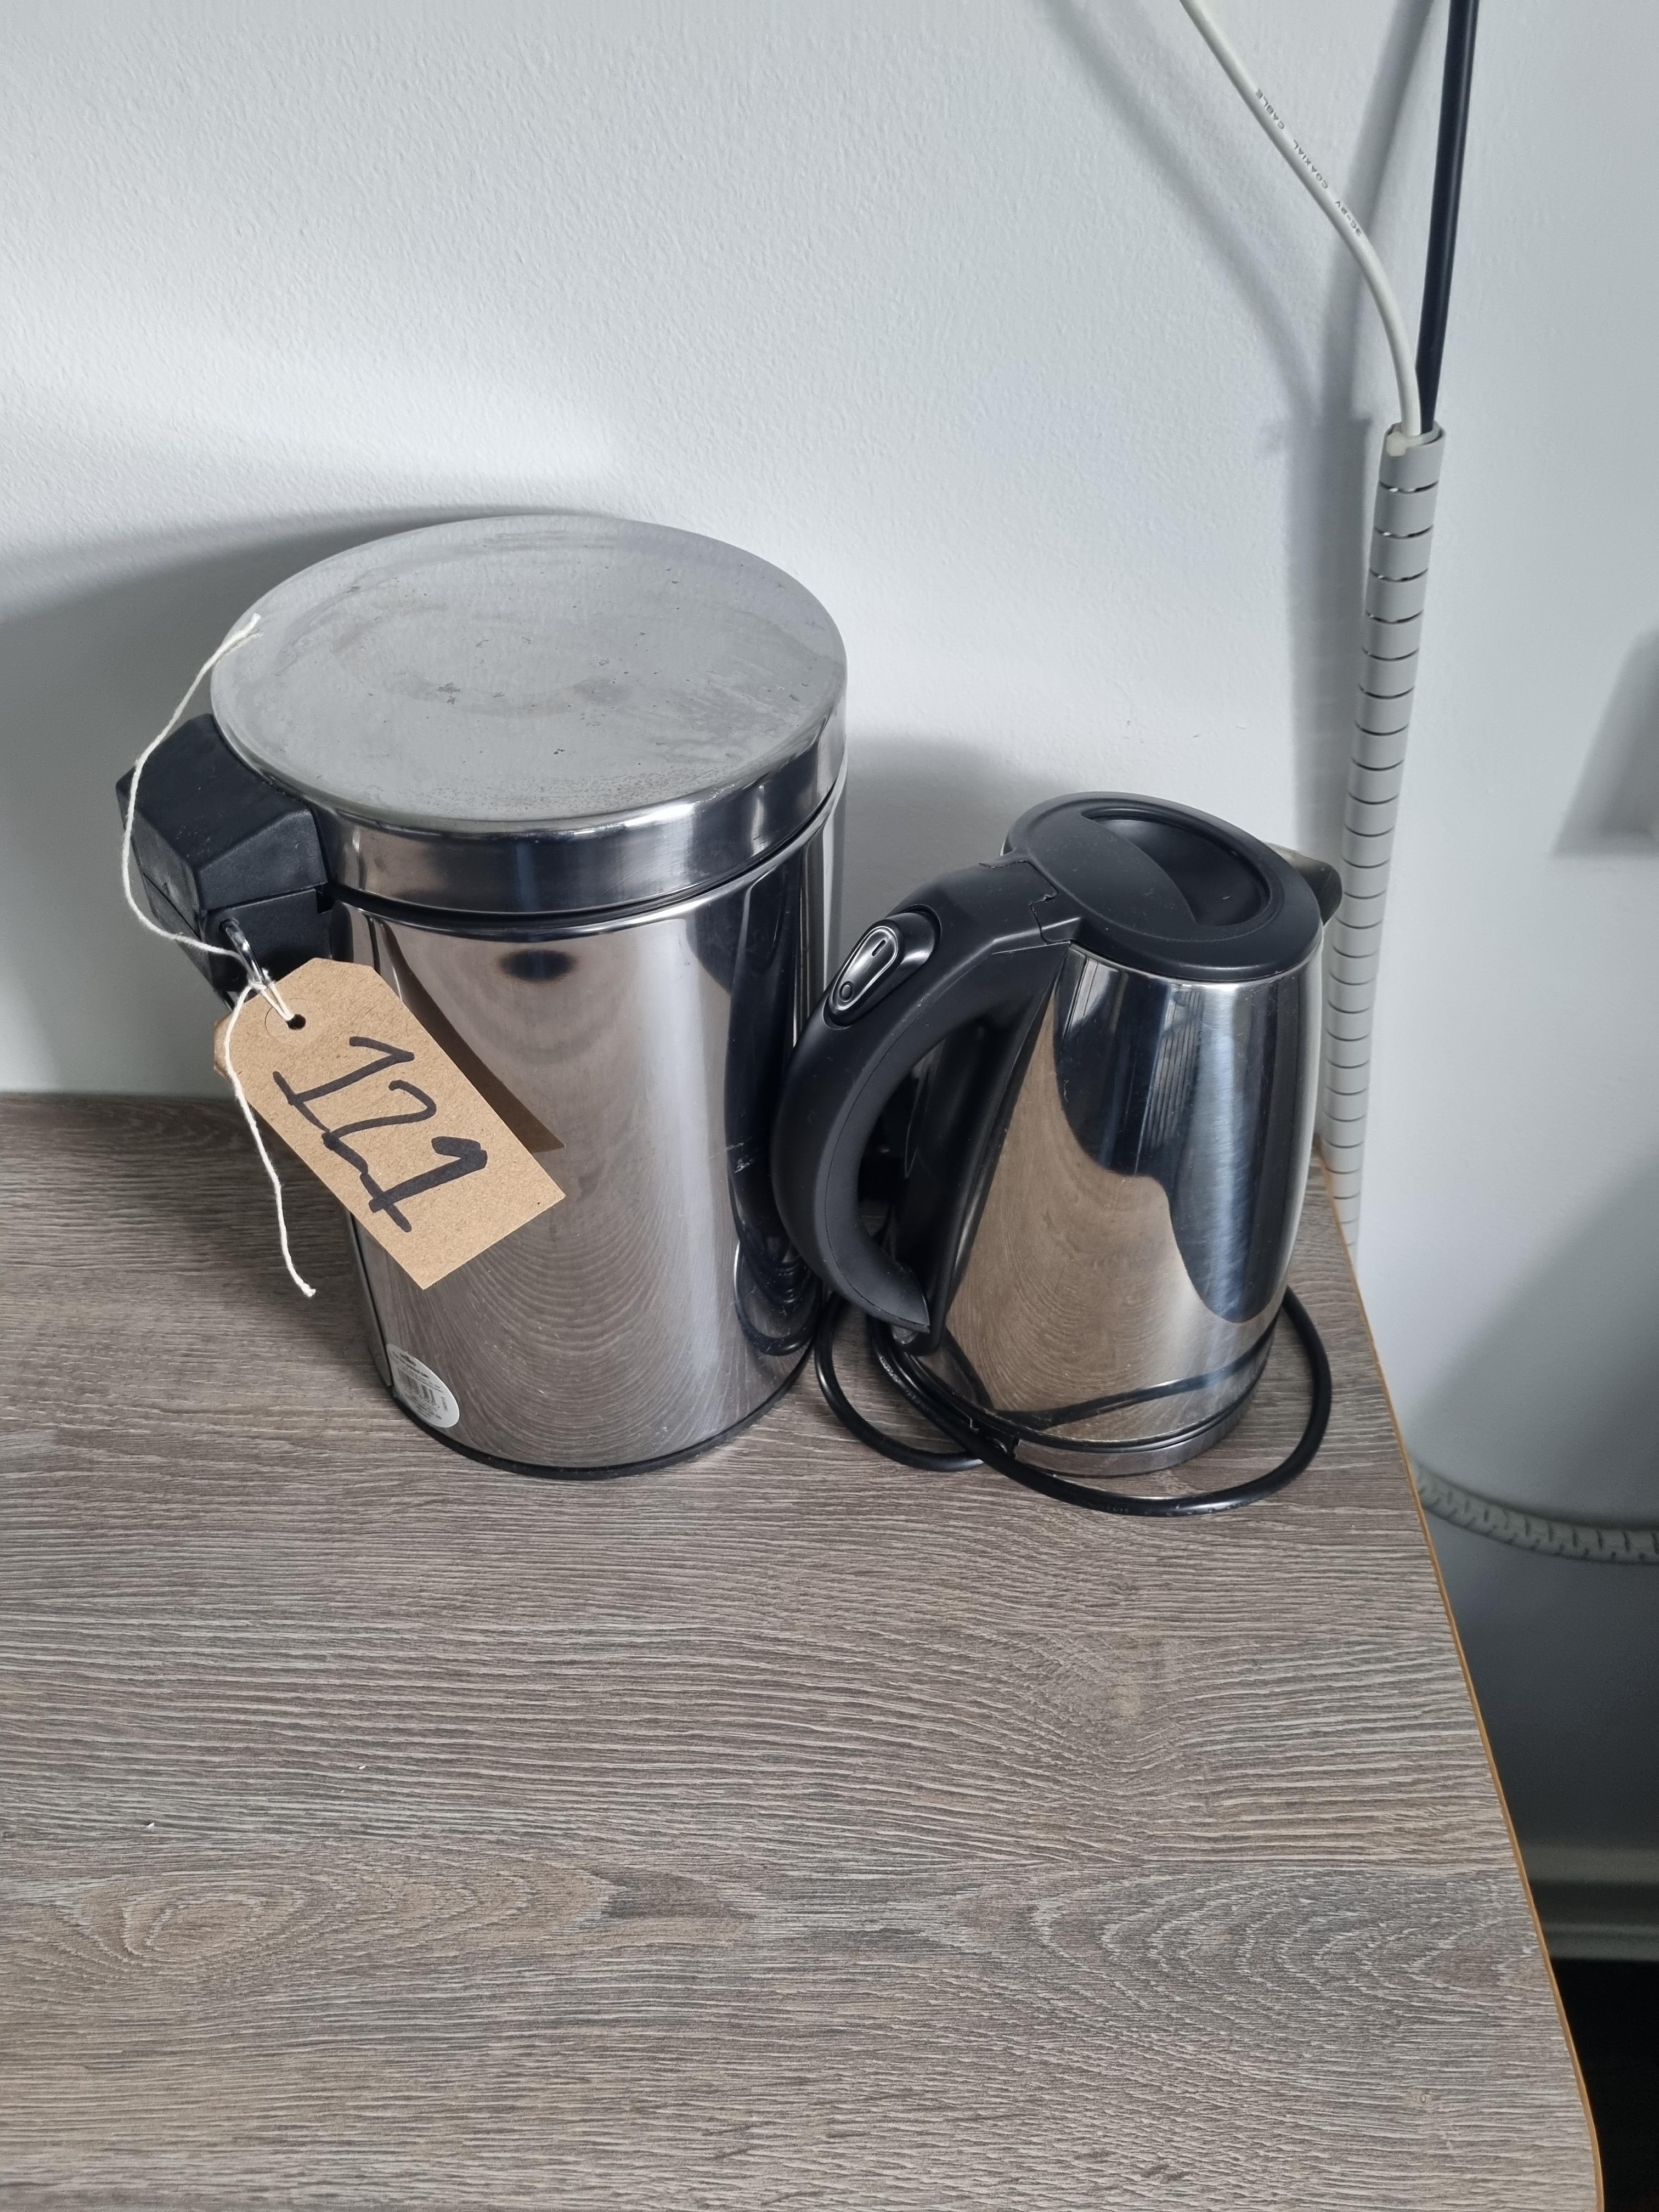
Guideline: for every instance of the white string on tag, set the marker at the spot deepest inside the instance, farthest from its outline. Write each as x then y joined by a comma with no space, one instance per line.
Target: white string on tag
247,992
258,982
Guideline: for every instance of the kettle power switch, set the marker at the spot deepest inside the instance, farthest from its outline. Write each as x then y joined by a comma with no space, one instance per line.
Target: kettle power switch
867,962
878,963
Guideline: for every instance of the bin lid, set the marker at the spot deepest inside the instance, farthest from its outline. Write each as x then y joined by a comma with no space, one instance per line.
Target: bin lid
541,714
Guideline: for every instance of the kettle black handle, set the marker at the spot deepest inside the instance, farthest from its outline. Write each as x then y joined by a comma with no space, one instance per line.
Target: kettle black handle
977,943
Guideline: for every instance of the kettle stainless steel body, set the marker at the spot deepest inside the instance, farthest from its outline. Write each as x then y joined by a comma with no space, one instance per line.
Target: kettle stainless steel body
1117,1031
572,786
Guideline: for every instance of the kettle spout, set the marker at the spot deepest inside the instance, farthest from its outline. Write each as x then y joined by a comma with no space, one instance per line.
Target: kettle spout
1320,877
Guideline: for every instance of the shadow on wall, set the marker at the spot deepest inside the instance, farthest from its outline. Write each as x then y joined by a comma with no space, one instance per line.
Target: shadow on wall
1616,808
1333,450
1555,1406
1562,1653
90,678
917,808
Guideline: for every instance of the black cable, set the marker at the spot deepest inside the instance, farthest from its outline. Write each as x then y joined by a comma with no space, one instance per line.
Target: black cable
1448,190
823,1360
978,1443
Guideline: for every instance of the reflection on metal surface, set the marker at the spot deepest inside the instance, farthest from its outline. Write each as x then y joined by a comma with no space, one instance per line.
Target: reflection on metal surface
751,950
661,1304
1135,1200
532,1134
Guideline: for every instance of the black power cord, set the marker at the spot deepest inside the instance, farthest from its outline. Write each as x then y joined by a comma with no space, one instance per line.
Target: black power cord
982,1440
1455,87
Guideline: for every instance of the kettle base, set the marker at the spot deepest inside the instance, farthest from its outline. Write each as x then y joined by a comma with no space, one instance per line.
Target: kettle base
553,1474
1111,1462
1103,1455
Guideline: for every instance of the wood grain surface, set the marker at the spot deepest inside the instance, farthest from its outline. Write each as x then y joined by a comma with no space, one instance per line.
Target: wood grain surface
785,1828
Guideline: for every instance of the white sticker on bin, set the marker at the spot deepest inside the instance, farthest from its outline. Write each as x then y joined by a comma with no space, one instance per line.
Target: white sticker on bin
427,1395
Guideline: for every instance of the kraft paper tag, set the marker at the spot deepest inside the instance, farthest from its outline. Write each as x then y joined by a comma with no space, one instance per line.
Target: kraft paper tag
378,1113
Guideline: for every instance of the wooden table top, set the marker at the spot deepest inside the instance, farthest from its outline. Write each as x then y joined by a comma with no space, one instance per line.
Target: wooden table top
787,1828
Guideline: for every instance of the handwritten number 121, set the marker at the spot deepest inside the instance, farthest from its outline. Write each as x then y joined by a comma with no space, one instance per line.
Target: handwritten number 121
463,1156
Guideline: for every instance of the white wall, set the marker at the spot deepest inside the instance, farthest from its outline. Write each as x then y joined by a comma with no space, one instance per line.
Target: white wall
998,324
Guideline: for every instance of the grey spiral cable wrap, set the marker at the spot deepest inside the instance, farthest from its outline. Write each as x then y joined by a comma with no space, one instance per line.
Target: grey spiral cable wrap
1396,586
1617,1543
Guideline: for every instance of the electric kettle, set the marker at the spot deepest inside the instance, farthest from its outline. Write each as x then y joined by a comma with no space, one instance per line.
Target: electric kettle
1116,1028
572,787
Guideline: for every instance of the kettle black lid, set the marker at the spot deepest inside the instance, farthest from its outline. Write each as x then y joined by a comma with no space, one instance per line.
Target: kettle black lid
1169,891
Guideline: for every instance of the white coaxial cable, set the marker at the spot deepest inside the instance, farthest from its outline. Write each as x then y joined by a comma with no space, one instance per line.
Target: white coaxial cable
1396,583
1331,206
